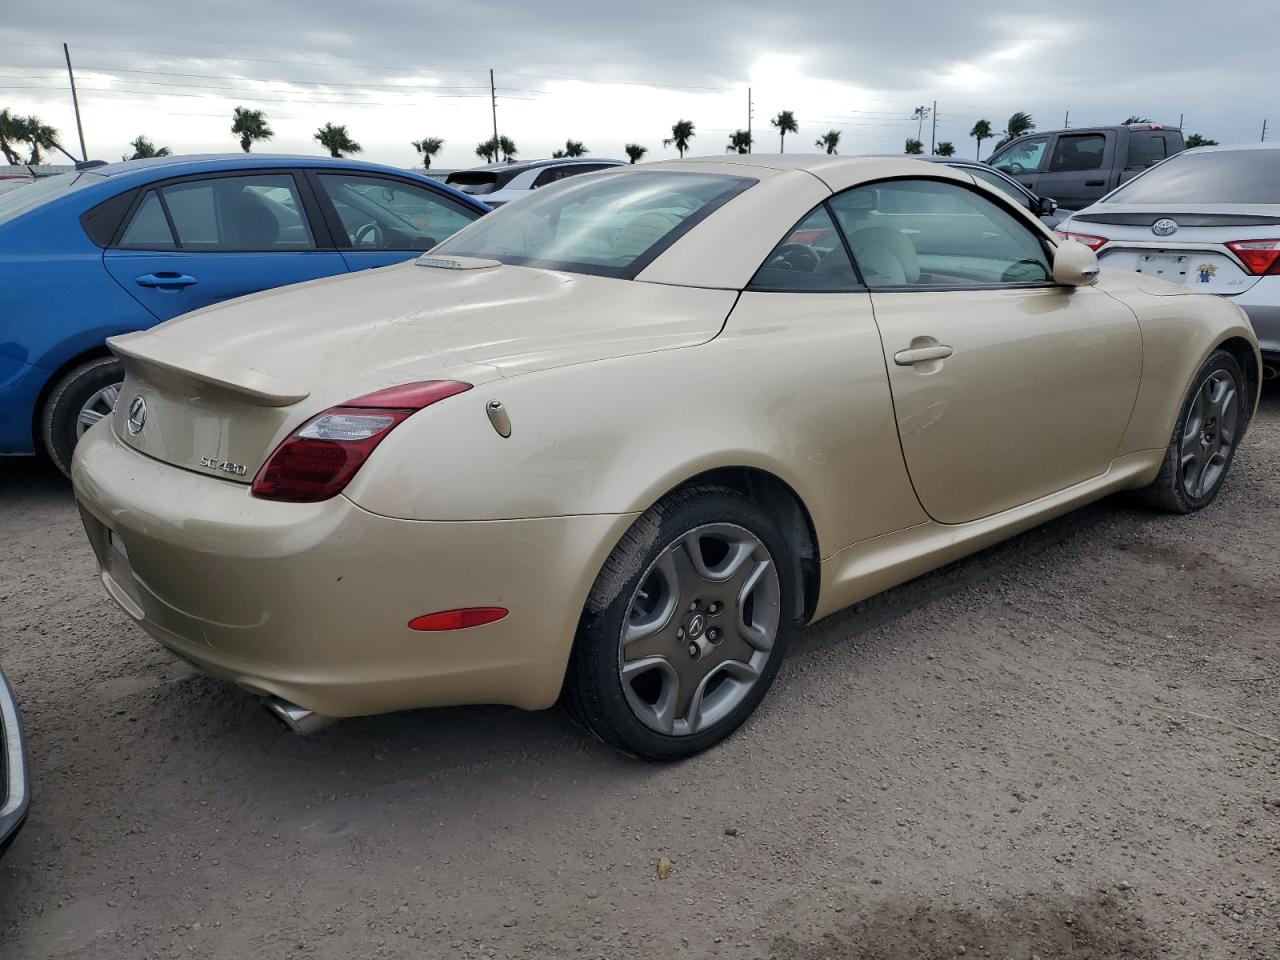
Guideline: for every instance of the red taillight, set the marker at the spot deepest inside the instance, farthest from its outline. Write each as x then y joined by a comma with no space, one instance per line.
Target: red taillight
1260,257
319,458
458,619
1090,241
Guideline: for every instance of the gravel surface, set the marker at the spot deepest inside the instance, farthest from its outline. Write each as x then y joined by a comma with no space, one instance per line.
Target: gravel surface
1067,746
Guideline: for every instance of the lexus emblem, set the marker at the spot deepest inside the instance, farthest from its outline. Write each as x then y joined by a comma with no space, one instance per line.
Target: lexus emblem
1164,227
137,416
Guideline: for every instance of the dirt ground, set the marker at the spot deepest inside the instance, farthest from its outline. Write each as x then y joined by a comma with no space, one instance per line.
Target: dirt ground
1067,746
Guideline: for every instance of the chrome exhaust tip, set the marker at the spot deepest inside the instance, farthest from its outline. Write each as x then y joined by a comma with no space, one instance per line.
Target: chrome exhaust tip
301,721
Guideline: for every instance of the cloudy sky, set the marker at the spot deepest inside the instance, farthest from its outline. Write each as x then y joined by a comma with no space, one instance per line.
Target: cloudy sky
610,73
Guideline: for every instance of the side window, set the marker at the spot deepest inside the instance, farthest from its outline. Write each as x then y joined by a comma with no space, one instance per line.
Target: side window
926,233
810,257
1077,152
1145,149
550,175
1023,158
148,230
260,212
1010,189
379,213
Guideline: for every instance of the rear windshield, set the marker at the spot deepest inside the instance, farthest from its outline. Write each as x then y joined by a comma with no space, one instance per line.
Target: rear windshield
609,225
1218,176
14,203
473,182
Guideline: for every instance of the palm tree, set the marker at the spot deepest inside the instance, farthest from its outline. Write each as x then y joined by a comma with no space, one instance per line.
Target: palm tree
1134,118
572,148
508,148
40,135
681,134
634,151
250,126
1019,124
1195,140
981,131
739,141
336,140
914,146
144,148
427,148
945,148
785,121
829,141
12,131
488,149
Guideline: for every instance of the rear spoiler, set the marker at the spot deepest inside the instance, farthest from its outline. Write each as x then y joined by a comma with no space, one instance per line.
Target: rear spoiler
152,353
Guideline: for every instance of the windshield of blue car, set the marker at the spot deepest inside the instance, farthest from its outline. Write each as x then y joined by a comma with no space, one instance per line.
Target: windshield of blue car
609,225
14,203
1212,176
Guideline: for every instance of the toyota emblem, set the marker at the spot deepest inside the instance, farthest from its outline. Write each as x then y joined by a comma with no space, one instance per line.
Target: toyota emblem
137,416
1164,227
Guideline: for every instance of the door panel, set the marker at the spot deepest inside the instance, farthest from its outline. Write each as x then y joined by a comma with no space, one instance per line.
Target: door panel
200,240
174,283
1079,168
1032,396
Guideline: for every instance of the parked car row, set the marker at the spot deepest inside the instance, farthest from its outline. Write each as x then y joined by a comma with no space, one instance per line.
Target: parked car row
480,445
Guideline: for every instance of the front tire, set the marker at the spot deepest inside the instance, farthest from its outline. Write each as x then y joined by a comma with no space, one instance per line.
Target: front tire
1205,438
83,396
686,626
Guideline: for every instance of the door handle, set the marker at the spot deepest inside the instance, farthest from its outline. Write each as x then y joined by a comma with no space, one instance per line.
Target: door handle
905,358
165,281
1095,183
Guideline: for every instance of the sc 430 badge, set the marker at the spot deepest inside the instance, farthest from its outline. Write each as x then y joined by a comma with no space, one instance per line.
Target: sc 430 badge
224,466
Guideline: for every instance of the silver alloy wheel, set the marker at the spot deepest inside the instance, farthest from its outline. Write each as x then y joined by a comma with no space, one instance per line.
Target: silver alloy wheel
699,629
1209,433
101,404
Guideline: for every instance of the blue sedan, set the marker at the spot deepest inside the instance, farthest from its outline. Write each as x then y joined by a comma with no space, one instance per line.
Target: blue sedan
120,247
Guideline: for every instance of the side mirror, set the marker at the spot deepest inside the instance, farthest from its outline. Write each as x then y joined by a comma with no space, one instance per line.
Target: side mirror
1047,207
1074,264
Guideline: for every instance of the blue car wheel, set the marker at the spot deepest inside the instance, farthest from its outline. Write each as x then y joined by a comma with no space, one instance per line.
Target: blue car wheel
85,395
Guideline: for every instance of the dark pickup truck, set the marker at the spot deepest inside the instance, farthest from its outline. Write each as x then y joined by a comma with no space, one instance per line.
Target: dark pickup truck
1077,167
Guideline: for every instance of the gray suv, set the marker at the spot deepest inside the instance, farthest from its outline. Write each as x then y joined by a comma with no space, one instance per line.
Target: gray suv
1077,167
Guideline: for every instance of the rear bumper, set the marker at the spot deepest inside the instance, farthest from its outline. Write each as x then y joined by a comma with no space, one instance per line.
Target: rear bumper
311,602
15,784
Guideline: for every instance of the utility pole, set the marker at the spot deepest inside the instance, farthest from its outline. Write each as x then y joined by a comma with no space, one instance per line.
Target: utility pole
933,134
1264,129
75,102
1180,116
1066,119
493,100
748,119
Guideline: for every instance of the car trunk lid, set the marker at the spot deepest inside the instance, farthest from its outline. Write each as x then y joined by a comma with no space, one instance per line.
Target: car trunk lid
221,387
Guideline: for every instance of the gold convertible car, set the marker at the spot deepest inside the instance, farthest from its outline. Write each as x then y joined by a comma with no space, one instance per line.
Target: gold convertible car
614,441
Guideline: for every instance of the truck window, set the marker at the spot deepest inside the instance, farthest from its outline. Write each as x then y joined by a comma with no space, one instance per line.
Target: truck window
1145,149
1023,157
1077,152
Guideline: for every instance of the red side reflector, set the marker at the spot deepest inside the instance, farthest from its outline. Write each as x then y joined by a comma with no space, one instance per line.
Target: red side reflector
458,619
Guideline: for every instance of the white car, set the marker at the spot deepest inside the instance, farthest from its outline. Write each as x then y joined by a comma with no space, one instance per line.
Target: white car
1208,219
500,183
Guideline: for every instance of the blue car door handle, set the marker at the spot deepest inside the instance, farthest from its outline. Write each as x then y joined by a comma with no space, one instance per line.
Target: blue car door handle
165,281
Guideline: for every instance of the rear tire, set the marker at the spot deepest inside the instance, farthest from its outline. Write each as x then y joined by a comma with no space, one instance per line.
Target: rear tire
83,396
686,626
1205,438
